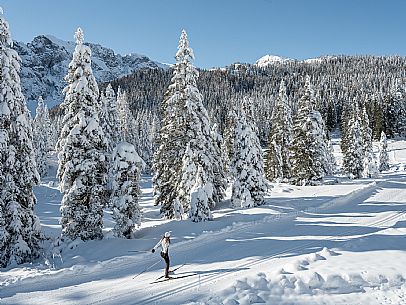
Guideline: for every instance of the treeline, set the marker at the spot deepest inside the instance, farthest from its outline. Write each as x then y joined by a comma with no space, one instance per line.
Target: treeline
337,82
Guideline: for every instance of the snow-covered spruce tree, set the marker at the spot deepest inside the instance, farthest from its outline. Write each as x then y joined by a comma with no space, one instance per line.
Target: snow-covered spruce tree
56,127
145,136
376,115
280,138
187,181
369,164
354,154
229,138
219,166
47,119
332,119
185,120
20,231
82,146
200,195
383,154
155,128
395,116
178,209
273,161
41,133
126,169
250,185
127,122
331,167
109,119
345,118
197,125
309,145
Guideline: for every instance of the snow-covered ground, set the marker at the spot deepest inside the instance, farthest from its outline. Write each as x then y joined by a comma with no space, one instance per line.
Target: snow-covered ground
337,243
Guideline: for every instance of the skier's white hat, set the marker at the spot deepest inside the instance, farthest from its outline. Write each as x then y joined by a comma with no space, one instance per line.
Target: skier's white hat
167,234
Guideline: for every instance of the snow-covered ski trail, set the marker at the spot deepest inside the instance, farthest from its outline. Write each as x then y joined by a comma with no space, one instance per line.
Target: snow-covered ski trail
219,258
385,217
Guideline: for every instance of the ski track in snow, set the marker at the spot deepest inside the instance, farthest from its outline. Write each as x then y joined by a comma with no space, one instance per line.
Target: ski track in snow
282,258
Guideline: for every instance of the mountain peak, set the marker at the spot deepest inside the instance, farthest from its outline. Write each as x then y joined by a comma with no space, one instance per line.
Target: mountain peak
45,63
267,60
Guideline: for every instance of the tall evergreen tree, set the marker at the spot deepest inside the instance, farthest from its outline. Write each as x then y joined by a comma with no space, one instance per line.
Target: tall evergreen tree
354,154
127,123
250,185
345,118
187,181
309,145
280,139
395,111
200,194
82,146
20,231
383,154
331,121
369,164
126,170
331,167
229,138
109,119
185,120
145,135
41,133
219,167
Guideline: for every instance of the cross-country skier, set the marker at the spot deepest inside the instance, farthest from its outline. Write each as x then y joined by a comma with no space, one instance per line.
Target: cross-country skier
164,243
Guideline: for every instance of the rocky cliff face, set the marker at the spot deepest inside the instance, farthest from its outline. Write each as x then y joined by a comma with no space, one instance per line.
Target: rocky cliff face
45,63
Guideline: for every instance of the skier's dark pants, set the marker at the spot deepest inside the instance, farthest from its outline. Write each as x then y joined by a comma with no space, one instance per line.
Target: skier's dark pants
165,256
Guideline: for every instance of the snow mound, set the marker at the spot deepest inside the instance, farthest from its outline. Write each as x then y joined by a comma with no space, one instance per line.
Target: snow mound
327,252
278,289
315,257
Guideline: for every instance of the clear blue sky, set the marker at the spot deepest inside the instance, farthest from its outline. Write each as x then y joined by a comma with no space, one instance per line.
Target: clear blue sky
220,31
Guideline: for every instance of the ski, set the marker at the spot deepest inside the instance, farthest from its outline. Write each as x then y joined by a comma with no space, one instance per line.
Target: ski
172,278
171,271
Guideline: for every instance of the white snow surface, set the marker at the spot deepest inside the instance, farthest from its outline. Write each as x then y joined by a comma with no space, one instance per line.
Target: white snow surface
335,243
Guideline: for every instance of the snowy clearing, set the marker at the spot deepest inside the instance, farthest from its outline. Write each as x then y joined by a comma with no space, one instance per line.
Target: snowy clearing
339,243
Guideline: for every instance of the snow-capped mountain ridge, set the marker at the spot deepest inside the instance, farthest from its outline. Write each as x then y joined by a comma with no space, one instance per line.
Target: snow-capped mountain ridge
268,60
45,62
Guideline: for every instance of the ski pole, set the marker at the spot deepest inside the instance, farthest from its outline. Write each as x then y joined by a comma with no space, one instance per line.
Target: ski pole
146,269
138,251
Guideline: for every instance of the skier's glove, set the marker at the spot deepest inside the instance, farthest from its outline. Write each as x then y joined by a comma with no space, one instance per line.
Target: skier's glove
153,250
